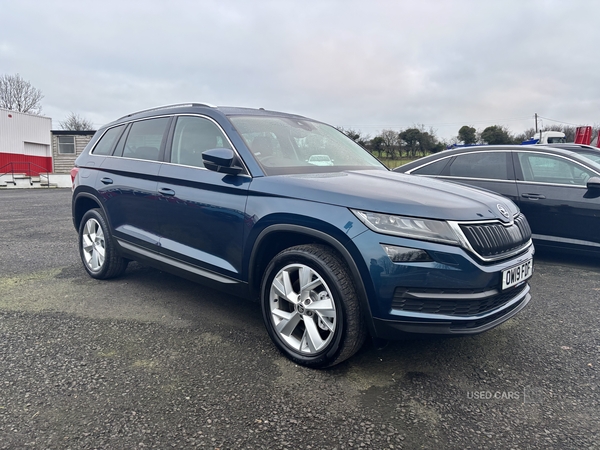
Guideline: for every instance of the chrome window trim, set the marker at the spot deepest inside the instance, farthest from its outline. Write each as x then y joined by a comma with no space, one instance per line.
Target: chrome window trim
246,170
470,178
541,183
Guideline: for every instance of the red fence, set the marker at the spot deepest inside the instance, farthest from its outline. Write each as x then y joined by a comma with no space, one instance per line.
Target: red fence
37,163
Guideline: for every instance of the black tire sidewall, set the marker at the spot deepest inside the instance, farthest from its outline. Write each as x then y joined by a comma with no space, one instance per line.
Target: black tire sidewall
293,256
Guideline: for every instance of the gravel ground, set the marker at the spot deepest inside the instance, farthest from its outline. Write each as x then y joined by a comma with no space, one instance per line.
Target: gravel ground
153,361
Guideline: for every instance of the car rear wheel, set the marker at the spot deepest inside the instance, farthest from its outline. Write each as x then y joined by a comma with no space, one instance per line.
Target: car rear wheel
310,306
97,249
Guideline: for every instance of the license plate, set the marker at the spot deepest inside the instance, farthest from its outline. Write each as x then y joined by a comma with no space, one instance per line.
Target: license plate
515,275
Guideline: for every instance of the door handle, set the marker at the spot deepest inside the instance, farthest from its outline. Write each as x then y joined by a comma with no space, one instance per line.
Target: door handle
534,196
106,180
166,192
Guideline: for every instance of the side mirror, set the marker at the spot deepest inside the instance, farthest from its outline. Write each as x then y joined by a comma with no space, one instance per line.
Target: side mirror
593,183
221,160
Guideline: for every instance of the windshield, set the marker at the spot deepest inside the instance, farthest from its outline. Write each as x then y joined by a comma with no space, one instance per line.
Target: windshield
284,145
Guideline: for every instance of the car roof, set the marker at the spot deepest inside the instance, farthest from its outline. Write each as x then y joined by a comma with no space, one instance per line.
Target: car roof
201,108
574,147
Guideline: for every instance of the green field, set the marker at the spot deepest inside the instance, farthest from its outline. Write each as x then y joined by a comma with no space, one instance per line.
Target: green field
393,163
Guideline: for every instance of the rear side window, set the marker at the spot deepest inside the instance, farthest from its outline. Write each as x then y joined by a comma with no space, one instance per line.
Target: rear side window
435,168
145,138
194,135
107,142
488,165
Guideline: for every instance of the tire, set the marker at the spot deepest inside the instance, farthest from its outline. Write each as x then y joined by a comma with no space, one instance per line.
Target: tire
97,249
310,307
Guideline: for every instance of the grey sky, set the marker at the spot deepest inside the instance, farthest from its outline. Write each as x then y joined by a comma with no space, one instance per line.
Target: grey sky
366,65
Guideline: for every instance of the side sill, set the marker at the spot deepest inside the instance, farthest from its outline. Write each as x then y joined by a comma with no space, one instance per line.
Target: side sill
176,264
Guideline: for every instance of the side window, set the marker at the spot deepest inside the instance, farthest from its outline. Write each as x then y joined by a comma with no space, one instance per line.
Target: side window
192,136
551,169
107,142
435,168
489,165
144,139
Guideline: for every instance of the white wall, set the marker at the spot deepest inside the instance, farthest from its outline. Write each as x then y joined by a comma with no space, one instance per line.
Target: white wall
17,128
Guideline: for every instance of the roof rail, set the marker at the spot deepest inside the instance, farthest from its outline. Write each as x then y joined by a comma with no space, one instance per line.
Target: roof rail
156,108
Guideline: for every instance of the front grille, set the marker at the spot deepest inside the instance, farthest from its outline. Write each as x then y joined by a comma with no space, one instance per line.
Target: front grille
492,240
452,302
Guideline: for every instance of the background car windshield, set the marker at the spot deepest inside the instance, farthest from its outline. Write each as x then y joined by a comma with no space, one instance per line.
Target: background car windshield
284,145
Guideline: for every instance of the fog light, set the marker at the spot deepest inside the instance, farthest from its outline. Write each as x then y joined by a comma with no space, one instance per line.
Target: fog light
406,254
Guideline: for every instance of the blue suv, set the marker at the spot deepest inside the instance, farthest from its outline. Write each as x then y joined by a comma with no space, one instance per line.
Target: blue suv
289,210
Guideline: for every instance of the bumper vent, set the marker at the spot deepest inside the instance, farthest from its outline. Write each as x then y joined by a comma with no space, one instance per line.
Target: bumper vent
452,302
492,240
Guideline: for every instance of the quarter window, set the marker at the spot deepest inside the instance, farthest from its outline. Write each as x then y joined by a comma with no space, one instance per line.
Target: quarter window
107,142
194,135
489,165
435,168
542,168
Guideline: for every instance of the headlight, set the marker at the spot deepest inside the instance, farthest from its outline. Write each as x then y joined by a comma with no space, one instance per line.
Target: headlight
409,227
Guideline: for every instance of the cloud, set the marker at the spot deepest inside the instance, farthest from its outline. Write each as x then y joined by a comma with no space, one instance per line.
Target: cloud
365,65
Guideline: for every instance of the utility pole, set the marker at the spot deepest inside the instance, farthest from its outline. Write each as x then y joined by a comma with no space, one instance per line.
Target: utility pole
536,128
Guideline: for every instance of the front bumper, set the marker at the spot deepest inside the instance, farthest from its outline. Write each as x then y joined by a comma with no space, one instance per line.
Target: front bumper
454,293
436,324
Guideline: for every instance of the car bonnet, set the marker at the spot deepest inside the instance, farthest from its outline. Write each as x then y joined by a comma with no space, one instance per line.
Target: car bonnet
389,192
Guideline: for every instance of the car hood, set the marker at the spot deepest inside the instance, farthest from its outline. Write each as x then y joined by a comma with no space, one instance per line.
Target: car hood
389,192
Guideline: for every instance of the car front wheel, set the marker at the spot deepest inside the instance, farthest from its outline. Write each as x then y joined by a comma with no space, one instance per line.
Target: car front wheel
97,249
310,306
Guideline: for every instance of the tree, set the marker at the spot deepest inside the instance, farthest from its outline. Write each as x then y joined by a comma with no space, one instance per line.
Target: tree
497,134
390,142
467,134
19,95
357,136
75,122
377,144
412,137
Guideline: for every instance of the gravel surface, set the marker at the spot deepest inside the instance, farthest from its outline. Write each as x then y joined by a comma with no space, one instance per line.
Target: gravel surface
153,361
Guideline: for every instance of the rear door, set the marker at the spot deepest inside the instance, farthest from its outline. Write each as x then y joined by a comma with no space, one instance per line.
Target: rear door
554,198
128,182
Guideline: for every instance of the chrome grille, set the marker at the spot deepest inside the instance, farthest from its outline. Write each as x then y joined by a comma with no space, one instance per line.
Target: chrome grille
496,239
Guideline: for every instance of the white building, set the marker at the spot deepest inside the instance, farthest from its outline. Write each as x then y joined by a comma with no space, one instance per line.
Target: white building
25,143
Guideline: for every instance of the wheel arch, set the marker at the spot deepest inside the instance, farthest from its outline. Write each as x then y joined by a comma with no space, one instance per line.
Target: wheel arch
82,203
278,237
